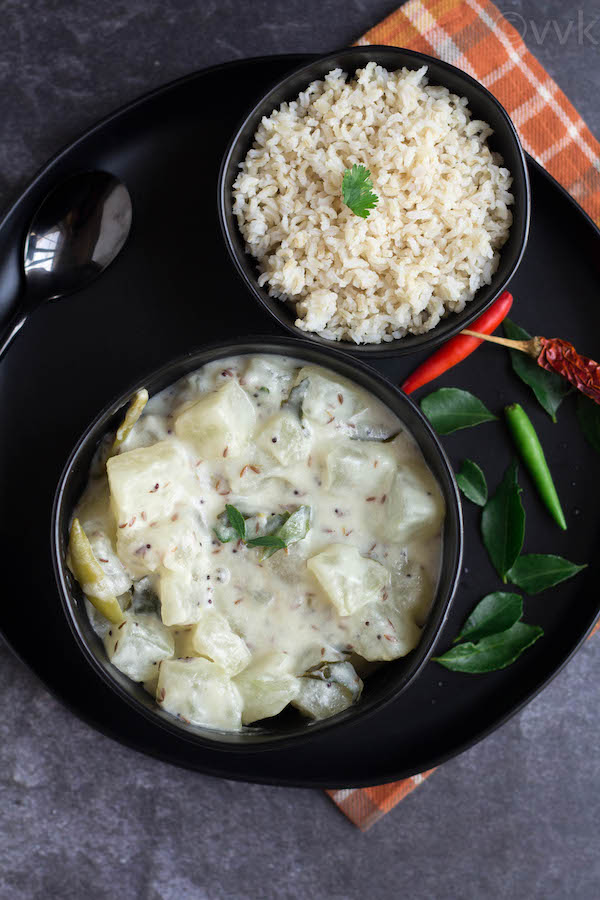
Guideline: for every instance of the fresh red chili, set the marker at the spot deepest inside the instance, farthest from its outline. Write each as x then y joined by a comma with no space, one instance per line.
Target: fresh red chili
459,347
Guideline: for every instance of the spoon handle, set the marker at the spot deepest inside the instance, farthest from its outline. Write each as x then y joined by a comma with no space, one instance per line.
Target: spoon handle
9,333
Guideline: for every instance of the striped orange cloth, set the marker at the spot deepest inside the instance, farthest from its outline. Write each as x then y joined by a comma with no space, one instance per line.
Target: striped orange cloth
474,36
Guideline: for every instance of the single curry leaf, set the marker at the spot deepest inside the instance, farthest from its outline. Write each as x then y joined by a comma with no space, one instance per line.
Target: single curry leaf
472,483
268,540
503,523
449,409
236,520
357,191
496,612
588,416
538,571
549,388
223,529
493,652
294,529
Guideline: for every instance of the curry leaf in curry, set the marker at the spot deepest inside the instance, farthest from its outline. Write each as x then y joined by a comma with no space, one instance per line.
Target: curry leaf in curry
293,529
357,191
503,523
549,388
275,532
236,520
450,409
267,540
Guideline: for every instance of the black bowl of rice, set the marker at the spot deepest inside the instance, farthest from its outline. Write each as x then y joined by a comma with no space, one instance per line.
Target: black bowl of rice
448,229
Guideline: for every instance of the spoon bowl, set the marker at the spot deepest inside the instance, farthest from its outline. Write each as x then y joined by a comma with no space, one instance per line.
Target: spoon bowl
77,231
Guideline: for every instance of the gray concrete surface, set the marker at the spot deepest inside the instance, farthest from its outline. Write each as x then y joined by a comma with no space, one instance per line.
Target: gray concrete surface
82,817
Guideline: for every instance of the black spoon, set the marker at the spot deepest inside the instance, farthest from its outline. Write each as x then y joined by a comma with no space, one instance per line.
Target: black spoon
75,234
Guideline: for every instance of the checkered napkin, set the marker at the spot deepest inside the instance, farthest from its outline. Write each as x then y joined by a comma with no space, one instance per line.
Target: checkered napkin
474,36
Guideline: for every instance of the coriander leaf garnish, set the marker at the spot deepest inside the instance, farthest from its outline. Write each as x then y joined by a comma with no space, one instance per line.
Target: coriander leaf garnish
503,523
472,483
449,409
236,520
537,572
357,191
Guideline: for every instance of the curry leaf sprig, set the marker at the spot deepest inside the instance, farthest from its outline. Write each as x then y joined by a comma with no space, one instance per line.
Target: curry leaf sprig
492,638
357,191
276,533
503,531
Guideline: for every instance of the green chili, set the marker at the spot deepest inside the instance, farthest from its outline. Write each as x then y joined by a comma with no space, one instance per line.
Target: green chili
528,445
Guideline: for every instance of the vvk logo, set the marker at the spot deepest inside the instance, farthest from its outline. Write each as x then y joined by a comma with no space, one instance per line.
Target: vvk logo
578,29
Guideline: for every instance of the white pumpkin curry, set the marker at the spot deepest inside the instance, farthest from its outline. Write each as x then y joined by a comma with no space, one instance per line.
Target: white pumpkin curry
256,535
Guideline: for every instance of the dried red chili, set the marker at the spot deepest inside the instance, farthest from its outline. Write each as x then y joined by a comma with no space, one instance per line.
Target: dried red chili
560,356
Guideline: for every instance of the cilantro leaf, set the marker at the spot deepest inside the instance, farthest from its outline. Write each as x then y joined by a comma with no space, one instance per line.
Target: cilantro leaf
357,190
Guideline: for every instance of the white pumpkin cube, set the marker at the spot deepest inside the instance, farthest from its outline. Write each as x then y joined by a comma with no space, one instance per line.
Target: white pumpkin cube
138,645
266,686
114,571
146,484
414,508
200,692
219,424
361,466
412,594
381,631
327,399
349,579
328,691
184,595
173,543
214,638
268,375
284,437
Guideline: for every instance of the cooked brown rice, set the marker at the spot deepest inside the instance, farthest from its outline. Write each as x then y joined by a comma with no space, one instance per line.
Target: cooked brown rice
431,242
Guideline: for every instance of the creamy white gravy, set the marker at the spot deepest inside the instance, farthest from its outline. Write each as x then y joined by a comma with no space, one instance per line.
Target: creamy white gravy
375,511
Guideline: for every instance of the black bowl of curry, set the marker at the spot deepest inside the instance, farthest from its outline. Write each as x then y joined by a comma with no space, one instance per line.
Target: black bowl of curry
265,548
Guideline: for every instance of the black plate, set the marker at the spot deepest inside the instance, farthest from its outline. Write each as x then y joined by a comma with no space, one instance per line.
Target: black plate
173,289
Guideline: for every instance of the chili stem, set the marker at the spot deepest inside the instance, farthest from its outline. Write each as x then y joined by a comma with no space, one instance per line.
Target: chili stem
528,347
527,442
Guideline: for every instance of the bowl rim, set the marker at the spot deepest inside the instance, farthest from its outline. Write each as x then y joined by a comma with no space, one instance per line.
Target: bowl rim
185,364
395,348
